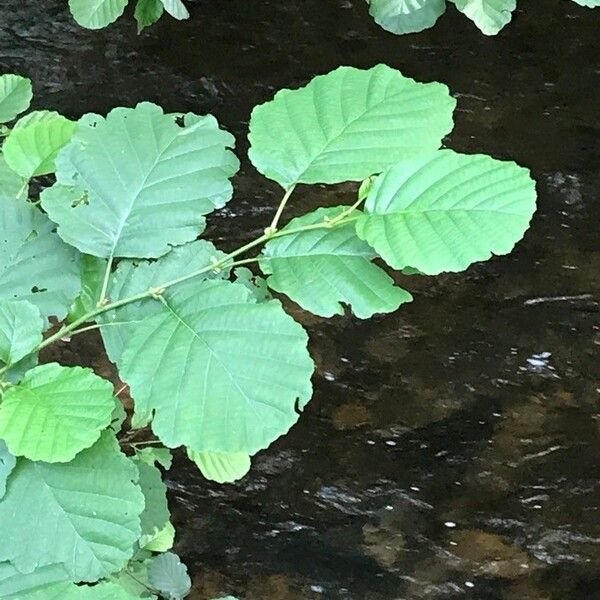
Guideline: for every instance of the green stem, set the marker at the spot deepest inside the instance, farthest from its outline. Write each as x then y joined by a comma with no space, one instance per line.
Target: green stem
109,264
286,197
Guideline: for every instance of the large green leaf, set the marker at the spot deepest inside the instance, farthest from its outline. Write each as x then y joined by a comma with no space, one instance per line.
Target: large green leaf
70,591
133,277
55,412
588,3
221,467
321,268
489,15
156,511
347,125
32,146
21,327
95,14
7,464
169,576
35,264
135,183
15,585
221,372
15,96
147,12
406,16
176,8
12,185
83,514
444,211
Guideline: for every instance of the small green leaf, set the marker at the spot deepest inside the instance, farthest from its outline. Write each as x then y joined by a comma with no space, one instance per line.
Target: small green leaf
92,276
490,16
156,511
12,185
16,94
176,9
118,416
257,285
32,146
152,456
221,372
21,327
55,412
347,125
163,540
169,576
407,16
7,464
95,14
35,264
321,268
444,211
135,183
84,514
220,467
15,585
147,12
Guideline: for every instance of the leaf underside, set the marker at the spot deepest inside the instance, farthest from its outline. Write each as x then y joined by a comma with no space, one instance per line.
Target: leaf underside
406,16
221,467
95,14
490,16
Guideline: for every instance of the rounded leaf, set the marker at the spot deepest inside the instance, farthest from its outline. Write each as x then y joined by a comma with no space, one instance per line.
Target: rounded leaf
444,211
169,576
347,125
55,412
176,8
406,16
221,467
95,14
21,327
490,16
16,94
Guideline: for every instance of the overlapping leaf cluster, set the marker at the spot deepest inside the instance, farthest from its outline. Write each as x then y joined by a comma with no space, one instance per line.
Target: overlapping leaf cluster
411,16
213,362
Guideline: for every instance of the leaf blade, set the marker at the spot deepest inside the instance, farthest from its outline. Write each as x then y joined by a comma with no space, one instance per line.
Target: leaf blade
16,94
406,16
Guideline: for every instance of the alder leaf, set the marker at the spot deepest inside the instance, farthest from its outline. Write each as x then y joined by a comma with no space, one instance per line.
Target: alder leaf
135,183
16,94
7,464
21,327
95,14
92,277
169,576
55,412
221,467
176,8
347,125
32,146
221,372
490,16
70,591
321,268
406,16
147,12
444,211
84,514
588,3
15,585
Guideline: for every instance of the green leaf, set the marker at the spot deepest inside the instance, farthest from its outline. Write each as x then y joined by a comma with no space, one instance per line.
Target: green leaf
118,416
257,285
321,268
176,9
7,464
16,94
169,576
12,185
490,16
133,277
156,511
21,327
134,579
70,591
163,540
151,456
588,3
347,125
84,514
444,211
15,585
95,14
221,372
221,467
406,16
35,264
135,183
92,277
55,412
148,12
32,146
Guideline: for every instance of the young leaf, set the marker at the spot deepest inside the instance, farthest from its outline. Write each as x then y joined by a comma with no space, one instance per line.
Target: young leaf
32,146
135,183
95,14
134,277
35,264
444,211
347,125
92,276
156,511
163,540
406,16
55,412
176,9
151,456
7,464
169,576
15,96
84,514
15,585
221,372
321,268
147,12
220,467
12,185
490,16
21,327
